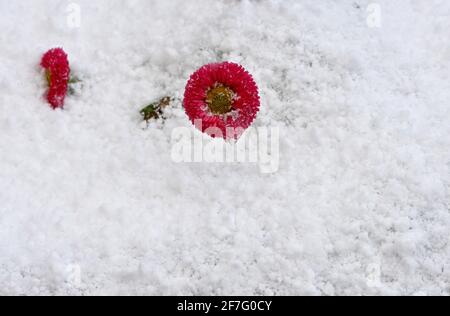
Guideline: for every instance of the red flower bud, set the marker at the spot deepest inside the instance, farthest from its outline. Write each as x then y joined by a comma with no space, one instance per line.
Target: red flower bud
57,68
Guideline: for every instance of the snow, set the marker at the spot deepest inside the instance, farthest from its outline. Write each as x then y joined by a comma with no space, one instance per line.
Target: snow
91,203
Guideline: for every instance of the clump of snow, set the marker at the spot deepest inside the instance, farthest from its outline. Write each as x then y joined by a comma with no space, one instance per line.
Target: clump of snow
91,203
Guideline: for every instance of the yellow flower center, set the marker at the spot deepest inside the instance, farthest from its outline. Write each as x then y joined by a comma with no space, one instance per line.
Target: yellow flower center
48,75
220,100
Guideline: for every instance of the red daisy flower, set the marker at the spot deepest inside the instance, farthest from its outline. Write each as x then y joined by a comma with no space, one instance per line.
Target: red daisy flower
222,100
57,70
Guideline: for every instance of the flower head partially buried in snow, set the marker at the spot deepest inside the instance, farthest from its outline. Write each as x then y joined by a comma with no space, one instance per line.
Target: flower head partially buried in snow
56,65
224,98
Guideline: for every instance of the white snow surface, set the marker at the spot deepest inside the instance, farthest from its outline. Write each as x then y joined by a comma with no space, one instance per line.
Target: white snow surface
91,202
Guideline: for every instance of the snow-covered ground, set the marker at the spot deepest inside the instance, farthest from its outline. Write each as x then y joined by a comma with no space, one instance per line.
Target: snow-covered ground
92,203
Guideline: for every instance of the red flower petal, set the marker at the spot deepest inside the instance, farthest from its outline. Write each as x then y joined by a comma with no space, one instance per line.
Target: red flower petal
245,104
56,64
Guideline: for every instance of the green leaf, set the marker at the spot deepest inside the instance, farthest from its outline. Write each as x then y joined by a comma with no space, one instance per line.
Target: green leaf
74,80
150,112
155,110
